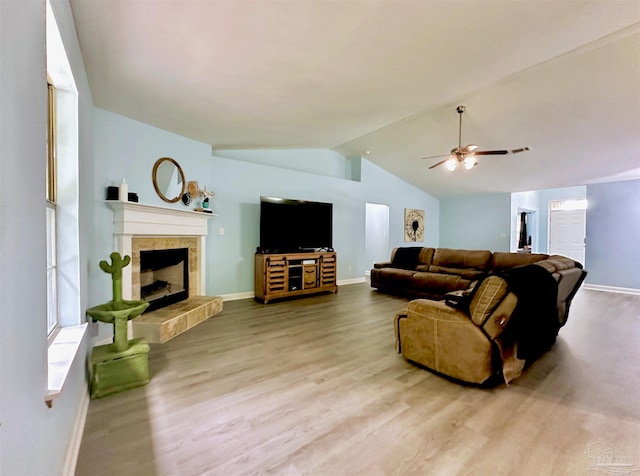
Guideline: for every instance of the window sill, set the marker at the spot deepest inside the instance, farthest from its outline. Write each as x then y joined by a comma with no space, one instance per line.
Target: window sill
62,352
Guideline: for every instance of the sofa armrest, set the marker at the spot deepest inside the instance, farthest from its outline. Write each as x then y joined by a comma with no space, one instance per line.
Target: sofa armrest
499,318
383,264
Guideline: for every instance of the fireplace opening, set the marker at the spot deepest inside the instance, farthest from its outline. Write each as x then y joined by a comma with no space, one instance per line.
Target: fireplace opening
164,277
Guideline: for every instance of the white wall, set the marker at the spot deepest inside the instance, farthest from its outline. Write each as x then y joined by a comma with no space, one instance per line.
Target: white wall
34,440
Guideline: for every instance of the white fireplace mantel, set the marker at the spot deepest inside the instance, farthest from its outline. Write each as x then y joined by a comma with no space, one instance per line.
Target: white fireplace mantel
131,218
134,219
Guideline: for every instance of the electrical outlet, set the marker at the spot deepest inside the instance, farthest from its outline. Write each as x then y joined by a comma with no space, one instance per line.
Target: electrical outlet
220,231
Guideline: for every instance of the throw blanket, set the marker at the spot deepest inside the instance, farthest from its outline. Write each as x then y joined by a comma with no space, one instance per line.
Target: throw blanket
407,257
534,323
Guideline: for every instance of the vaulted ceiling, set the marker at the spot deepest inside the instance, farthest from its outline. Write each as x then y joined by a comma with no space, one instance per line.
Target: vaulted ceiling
382,79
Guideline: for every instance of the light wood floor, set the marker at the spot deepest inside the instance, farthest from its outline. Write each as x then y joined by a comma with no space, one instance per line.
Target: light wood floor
313,386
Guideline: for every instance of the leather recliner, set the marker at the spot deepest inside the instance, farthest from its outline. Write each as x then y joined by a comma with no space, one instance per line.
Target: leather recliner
505,321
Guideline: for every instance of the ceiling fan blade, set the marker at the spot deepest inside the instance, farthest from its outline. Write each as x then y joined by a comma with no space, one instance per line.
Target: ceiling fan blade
435,156
439,163
501,152
491,152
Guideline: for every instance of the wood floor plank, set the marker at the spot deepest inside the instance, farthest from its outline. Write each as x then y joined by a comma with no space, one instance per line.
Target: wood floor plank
314,386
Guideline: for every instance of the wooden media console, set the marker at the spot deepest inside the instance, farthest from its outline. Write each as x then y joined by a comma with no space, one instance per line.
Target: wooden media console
294,274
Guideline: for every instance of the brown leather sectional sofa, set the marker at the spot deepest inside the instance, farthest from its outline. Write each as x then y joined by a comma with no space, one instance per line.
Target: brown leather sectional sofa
488,313
433,272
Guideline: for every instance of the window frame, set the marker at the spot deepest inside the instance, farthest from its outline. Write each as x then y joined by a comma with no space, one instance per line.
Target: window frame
53,321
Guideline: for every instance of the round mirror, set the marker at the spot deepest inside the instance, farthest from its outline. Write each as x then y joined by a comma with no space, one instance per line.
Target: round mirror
168,179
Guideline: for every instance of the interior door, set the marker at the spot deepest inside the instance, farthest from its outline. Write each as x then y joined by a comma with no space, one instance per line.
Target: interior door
376,234
567,231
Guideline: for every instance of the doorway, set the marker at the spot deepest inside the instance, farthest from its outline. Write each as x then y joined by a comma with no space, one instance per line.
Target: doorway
376,234
567,228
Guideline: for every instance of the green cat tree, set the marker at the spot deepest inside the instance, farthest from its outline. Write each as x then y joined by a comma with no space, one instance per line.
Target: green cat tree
124,364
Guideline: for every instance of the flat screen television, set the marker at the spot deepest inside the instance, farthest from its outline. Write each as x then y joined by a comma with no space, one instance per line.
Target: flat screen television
288,225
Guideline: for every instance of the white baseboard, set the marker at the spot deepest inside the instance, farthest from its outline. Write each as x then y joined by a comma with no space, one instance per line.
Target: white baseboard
611,289
73,450
238,296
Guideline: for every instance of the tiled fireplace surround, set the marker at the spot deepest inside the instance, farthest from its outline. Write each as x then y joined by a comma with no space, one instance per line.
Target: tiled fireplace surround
140,227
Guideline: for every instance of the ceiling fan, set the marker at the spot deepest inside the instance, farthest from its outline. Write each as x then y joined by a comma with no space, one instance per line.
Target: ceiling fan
466,156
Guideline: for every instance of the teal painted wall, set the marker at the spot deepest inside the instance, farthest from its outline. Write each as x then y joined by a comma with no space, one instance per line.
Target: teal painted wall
315,161
476,222
34,439
126,148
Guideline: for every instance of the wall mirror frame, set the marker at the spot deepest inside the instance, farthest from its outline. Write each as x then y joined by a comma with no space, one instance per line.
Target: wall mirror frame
168,179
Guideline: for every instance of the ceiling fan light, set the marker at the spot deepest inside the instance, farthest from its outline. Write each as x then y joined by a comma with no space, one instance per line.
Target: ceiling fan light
469,162
451,164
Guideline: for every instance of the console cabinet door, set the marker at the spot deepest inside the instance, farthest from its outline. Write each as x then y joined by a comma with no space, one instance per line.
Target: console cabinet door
276,275
310,276
328,270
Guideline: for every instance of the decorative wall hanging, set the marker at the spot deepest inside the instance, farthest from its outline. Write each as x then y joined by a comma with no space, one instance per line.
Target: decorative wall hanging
413,224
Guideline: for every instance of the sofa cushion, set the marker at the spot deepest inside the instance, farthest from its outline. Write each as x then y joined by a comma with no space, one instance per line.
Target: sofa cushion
435,283
425,257
486,298
448,258
502,260
382,264
467,273
392,277
406,257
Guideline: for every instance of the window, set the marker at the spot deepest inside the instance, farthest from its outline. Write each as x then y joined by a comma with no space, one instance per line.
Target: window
51,229
65,319
568,205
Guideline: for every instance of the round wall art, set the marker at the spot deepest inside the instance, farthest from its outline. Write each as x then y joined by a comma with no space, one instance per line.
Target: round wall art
413,224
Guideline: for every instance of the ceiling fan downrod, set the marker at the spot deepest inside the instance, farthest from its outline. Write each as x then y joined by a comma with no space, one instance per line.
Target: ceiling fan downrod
460,110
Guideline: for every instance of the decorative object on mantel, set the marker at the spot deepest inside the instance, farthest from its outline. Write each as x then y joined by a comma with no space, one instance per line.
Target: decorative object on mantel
123,191
115,193
112,193
193,192
124,364
206,196
193,188
168,179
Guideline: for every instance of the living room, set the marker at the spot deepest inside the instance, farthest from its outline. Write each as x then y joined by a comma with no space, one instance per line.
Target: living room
35,439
